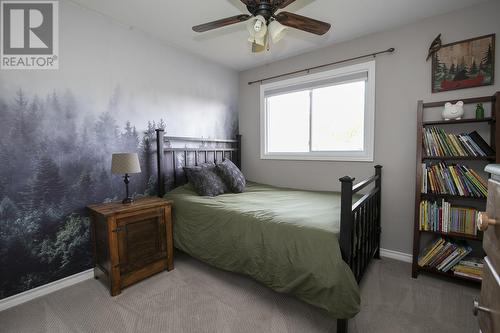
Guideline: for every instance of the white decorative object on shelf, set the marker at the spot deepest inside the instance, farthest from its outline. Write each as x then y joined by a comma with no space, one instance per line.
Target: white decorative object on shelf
453,111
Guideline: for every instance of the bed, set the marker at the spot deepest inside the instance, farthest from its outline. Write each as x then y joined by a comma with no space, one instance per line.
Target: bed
313,245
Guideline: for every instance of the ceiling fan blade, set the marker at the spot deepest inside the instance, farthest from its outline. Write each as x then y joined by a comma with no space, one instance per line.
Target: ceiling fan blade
282,3
249,2
303,23
221,23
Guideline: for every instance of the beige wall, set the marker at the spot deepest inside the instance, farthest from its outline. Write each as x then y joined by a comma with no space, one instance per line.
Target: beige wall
401,79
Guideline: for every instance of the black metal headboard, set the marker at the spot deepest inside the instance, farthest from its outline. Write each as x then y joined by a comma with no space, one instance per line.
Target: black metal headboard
171,159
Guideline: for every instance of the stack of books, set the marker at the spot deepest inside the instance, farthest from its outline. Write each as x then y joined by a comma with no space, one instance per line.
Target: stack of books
470,267
454,180
442,217
438,143
443,255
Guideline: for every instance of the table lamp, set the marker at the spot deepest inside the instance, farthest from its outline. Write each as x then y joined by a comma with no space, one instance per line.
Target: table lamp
125,163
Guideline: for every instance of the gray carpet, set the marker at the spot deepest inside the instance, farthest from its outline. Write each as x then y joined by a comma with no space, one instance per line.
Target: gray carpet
197,298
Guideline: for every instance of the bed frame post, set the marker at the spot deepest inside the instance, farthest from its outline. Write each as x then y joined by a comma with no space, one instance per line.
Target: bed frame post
159,160
238,151
342,325
345,232
378,184
346,218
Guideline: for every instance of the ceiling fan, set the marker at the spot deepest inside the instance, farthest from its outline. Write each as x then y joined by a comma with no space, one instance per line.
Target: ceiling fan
264,23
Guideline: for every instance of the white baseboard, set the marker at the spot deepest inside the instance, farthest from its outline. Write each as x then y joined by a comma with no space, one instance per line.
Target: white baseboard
396,255
45,289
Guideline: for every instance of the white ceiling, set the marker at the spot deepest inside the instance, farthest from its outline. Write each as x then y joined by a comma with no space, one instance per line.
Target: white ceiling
171,22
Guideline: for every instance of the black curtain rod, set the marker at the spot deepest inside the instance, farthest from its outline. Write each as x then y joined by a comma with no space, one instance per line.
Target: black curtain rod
321,66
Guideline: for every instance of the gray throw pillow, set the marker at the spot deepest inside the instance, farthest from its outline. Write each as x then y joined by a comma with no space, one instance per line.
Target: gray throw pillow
205,180
232,176
187,169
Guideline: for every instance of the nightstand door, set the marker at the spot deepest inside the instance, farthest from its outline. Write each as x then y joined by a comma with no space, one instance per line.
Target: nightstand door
141,239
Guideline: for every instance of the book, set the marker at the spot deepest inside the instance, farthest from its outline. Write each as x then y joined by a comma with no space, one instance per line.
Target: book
438,143
469,267
478,140
444,255
450,258
439,251
447,251
452,179
475,147
440,216
471,276
473,262
428,252
464,250
424,178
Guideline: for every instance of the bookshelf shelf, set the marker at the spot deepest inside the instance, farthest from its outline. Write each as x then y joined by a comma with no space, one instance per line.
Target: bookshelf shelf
454,235
458,158
473,100
439,136
434,196
448,274
460,121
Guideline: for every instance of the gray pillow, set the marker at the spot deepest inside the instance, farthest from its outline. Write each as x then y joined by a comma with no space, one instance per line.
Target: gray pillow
188,169
205,180
232,176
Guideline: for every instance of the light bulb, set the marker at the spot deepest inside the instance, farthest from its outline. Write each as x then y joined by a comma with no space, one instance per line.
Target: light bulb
258,25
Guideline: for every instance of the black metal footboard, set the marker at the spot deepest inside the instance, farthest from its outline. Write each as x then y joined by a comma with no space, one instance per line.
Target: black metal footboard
360,226
360,223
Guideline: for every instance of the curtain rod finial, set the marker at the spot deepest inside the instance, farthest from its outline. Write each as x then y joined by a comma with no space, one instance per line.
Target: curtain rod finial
391,49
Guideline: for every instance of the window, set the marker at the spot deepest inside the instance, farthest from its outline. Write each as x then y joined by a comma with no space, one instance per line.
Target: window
323,116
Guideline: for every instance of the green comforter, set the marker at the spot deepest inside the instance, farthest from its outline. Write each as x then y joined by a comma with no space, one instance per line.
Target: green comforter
284,238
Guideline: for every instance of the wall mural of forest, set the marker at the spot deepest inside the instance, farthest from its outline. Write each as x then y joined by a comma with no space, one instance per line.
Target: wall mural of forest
55,161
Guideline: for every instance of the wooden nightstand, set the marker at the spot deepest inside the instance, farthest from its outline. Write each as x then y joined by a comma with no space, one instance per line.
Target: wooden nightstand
131,241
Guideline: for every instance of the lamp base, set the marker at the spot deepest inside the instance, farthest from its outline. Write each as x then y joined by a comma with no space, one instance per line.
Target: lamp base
127,200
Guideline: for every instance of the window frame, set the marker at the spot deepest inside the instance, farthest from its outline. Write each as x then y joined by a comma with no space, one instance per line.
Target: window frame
369,117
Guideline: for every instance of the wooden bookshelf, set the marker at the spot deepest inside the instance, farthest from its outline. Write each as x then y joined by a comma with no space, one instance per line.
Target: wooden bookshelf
449,274
459,121
435,196
459,158
478,203
454,235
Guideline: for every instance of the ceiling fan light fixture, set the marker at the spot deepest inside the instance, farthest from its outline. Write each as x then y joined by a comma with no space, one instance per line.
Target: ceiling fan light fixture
258,40
264,25
257,27
277,31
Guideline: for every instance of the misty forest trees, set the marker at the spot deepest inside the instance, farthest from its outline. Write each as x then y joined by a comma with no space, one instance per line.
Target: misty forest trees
462,71
56,159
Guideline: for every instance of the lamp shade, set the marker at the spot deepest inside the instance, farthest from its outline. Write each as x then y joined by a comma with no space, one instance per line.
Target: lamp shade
257,35
277,31
260,41
122,163
256,48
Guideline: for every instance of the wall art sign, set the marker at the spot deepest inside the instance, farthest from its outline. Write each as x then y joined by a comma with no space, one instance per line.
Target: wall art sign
464,64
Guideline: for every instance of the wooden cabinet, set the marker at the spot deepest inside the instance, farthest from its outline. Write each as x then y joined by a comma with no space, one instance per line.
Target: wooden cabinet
487,308
131,241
